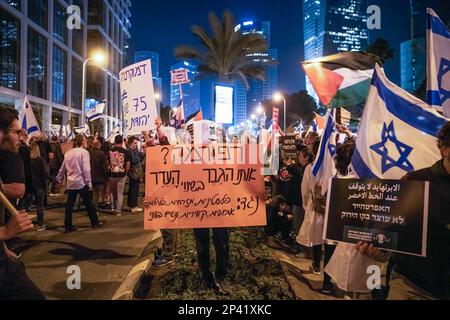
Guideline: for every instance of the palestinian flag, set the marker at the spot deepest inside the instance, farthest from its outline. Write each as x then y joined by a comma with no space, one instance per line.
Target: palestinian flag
198,116
342,80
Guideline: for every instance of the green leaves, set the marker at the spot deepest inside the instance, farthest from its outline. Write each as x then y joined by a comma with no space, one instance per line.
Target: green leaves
225,53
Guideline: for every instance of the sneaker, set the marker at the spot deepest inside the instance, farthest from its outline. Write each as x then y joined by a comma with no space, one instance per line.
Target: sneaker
98,225
41,228
136,210
163,262
117,213
327,288
316,270
224,287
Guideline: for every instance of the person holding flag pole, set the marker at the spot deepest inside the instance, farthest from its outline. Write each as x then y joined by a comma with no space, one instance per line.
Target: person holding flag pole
14,282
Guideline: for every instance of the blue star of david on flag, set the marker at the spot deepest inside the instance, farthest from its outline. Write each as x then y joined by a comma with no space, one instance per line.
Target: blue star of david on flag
387,162
332,149
444,68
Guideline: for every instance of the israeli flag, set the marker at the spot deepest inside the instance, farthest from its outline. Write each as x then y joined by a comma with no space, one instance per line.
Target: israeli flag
324,168
96,112
68,131
438,63
28,119
397,134
83,130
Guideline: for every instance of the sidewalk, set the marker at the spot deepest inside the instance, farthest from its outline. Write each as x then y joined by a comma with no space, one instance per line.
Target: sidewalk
306,285
105,256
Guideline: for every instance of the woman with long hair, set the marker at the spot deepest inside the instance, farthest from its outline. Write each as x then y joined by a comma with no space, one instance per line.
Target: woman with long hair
39,179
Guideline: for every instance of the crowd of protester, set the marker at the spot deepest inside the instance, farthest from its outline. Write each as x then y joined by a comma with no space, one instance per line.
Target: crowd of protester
95,172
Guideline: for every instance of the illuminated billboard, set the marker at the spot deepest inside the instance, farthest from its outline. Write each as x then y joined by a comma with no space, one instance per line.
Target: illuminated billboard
224,103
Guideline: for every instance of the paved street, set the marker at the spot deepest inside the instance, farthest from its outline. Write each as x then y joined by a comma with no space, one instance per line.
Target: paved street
105,256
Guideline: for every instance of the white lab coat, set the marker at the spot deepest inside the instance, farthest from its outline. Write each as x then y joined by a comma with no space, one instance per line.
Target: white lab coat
347,267
311,230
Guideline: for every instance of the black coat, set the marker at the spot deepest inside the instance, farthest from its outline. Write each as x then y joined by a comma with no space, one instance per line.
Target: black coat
39,175
433,272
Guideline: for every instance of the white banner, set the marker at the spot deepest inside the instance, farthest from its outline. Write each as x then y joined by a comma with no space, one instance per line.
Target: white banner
138,98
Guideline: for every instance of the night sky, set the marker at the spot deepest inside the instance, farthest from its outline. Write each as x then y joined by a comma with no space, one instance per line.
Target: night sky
161,25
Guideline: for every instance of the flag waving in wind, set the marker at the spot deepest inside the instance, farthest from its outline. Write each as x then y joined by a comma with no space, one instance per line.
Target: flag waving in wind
178,118
342,80
438,63
324,168
96,112
397,134
28,119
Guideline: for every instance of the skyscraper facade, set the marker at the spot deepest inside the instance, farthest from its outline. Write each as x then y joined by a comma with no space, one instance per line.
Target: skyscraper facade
333,26
413,51
191,90
248,100
154,57
42,58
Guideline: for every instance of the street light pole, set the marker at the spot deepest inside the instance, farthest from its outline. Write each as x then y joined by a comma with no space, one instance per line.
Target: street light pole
285,116
278,97
83,93
99,58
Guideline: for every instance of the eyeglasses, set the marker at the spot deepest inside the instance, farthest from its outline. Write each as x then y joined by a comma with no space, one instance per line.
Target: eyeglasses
17,132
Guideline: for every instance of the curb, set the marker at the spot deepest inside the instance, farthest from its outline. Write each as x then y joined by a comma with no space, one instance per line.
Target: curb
131,287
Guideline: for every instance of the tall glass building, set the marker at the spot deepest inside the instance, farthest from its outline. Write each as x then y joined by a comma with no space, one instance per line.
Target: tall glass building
333,26
154,57
191,90
42,58
413,51
247,101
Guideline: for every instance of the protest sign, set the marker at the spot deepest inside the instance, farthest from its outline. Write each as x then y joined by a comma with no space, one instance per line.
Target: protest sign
138,98
288,148
211,186
390,214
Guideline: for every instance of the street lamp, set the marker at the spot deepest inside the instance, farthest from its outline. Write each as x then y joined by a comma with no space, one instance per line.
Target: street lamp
259,110
99,59
278,97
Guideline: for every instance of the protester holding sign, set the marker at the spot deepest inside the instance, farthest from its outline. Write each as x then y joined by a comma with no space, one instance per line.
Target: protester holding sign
310,234
164,256
432,273
347,267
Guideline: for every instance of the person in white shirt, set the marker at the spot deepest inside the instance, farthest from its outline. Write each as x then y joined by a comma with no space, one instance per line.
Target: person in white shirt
78,169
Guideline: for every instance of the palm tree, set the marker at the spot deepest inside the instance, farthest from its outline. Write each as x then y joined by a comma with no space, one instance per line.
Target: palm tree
226,53
381,48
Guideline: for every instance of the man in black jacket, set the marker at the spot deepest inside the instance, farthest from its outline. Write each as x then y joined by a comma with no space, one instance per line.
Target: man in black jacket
432,273
14,282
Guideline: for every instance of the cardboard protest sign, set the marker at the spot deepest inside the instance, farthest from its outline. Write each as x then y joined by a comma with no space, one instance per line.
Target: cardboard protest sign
138,98
390,214
210,186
